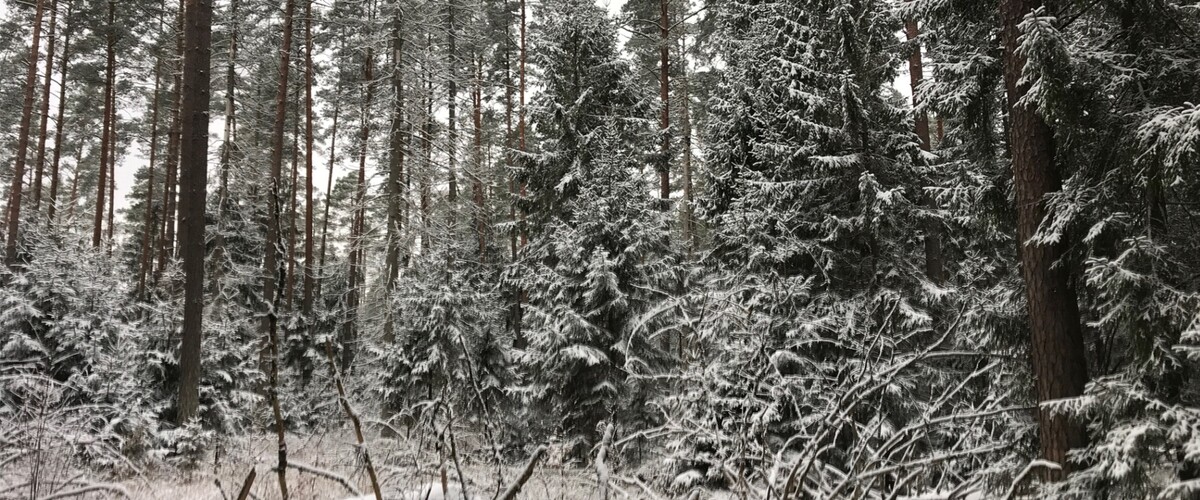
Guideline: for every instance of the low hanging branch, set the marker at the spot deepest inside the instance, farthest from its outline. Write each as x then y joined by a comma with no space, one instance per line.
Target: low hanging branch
513,490
245,491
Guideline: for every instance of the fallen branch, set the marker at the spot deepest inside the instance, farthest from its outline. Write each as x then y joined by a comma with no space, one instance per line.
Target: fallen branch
337,478
513,490
90,488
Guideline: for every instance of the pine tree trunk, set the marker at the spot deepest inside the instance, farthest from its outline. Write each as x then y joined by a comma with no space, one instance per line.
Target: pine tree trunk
477,190
395,191
58,123
166,242
689,221
112,161
14,195
452,109
193,180
293,210
44,125
306,302
271,267
664,96
350,334
934,267
149,226
106,133
1059,363
337,108
228,144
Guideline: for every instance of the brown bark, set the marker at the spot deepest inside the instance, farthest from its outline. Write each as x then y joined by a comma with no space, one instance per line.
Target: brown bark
149,226
395,187
166,248
521,128
477,189
44,125
293,211
452,109
1059,363
689,221
934,266
106,134
271,268
337,108
58,123
74,197
664,96
112,162
427,148
14,201
350,333
193,181
306,301
228,143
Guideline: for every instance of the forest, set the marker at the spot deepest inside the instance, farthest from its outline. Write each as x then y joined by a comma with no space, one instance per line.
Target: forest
615,249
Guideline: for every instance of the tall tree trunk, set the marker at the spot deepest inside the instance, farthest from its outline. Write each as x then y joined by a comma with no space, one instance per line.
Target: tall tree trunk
452,108
350,334
58,123
166,241
395,187
193,180
74,198
228,142
1059,363
112,161
14,195
337,108
689,220
519,340
44,125
106,133
508,140
521,131
934,267
477,190
664,96
271,268
427,149
293,210
306,302
149,226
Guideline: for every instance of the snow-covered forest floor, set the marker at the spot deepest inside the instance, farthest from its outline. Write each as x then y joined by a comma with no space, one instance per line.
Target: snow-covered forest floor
406,469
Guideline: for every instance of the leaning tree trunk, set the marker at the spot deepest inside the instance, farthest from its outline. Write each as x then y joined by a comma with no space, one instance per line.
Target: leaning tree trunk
271,266
193,180
14,196
1059,363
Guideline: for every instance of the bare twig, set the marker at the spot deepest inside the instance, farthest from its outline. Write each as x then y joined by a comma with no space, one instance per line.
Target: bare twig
332,476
